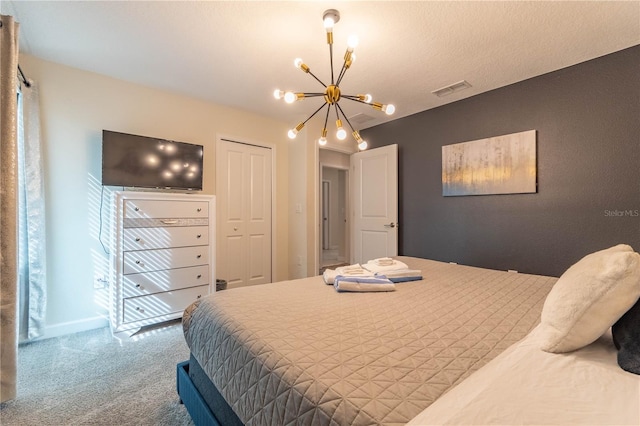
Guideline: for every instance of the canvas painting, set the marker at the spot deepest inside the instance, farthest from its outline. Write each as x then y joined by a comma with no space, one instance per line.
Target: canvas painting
498,165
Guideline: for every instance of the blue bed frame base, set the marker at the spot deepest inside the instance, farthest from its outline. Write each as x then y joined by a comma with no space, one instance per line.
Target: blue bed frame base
196,406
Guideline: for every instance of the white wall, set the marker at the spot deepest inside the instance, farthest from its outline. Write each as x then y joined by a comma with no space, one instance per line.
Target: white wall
75,106
298,212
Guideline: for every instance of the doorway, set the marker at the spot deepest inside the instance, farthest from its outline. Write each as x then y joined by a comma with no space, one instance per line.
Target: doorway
334,213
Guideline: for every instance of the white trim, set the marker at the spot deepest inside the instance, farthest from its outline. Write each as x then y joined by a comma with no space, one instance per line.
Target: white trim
71,327
317,178
274,252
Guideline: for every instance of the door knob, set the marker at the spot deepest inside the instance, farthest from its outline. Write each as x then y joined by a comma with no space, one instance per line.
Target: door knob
390,225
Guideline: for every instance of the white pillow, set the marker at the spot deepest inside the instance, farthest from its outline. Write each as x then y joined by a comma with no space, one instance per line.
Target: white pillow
589,298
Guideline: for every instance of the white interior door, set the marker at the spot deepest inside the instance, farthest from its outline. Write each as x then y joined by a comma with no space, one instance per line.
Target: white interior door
244,194
375,203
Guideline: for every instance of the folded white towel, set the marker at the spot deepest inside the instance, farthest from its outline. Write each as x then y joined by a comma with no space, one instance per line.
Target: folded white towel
329,276
402,275
350,267
383,261
363,284
373,267
354,270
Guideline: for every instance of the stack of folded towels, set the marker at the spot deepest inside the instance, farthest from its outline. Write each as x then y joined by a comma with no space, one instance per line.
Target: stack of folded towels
376,275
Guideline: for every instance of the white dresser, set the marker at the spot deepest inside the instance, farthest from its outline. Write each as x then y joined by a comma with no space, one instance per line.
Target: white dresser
163,257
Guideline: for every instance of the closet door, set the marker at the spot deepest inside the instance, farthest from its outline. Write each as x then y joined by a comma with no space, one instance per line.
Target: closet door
244,193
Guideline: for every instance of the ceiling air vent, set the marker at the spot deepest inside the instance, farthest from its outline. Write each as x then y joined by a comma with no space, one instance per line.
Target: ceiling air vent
452,88
360,118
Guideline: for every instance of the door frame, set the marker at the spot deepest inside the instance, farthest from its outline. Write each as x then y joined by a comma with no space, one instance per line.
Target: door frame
246,141
318,245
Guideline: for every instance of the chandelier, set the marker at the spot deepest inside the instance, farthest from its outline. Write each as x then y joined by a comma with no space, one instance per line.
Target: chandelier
332,94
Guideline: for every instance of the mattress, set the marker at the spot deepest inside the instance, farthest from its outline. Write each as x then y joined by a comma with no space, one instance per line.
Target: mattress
299,352
582,387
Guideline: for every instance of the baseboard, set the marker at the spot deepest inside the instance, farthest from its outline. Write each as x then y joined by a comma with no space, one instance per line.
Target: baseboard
71,327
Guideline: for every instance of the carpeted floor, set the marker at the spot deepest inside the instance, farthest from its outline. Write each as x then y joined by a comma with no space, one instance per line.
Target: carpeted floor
91,378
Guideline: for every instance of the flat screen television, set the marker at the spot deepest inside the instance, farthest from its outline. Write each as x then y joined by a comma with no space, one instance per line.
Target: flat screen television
145,162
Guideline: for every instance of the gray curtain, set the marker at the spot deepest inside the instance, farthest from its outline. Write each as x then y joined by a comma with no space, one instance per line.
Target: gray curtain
8,206
31,236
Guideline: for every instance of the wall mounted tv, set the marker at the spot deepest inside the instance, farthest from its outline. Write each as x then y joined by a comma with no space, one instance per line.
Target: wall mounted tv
144,162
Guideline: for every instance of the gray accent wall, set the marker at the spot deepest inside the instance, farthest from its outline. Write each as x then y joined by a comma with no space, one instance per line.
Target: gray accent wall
587,119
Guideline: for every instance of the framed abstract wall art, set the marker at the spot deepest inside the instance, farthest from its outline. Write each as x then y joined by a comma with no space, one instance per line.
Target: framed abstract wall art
497,165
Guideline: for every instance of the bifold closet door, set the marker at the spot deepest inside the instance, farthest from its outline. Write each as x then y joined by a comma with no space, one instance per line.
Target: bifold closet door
244,193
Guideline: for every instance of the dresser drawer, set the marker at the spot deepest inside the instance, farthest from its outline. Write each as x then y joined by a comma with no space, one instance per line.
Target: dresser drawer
161,259
134,209
143,307
172,279
154,238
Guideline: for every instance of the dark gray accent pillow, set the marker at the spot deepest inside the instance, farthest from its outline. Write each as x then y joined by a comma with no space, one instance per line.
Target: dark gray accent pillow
626,337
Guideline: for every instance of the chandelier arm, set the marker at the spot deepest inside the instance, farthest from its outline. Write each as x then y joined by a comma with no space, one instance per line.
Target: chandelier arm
326,118
312,95
331,61
343,71
314,76
316,111
354,99
345,117
336,108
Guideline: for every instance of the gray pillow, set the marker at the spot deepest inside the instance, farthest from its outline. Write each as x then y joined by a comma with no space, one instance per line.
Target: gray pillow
626,337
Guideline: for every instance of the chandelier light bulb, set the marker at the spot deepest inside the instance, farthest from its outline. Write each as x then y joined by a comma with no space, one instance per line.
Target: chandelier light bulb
389,109
341,133
322,141
368,98
329,23
292,133
289,97
278,94
362,145
352,42
298,62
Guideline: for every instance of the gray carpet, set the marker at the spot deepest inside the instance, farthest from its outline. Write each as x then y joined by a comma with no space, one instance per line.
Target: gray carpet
91,378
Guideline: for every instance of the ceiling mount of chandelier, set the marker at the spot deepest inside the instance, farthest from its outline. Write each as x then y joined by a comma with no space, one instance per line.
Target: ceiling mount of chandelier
332,94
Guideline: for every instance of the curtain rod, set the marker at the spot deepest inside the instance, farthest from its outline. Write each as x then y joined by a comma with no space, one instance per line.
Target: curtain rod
22,77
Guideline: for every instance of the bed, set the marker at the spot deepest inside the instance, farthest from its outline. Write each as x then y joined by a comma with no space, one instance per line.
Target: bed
298,352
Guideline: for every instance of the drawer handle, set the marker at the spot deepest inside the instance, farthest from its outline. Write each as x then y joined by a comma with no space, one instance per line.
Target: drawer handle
139,263
199,276
169,221
199,236
199,209
138,239
139,286
199,296
137,209
139,309
199,256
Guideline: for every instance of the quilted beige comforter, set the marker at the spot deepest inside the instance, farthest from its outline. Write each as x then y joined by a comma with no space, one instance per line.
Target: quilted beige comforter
298,352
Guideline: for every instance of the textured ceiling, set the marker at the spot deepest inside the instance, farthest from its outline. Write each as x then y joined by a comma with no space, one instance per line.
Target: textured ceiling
236,53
